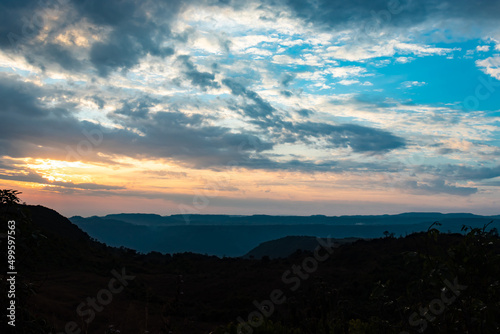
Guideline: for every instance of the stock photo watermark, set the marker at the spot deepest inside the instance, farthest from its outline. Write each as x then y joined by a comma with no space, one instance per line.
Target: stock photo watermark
201,198
436,307
486,87
293,278
87,310
85,147
11,272
378,19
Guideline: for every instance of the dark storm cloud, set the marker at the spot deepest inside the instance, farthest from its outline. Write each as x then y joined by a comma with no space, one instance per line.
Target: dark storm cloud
447,175
260,109
485,10
286,79
33,177
304,112
359,138
174,134
138,108
57,54
97,100
311,166
30,128
203,80
18,97
333,13
445,151
13,24
371,15
438,187
136,28
139,28
469,173
456,173
22,23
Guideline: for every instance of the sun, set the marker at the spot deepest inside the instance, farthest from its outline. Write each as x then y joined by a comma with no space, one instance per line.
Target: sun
58,171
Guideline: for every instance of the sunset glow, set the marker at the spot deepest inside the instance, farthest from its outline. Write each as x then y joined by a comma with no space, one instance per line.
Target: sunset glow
259,107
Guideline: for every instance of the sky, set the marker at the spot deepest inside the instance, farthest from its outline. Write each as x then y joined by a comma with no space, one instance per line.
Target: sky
247,107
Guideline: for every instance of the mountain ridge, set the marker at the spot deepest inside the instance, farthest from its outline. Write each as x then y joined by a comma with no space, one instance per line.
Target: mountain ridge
228,235
364,286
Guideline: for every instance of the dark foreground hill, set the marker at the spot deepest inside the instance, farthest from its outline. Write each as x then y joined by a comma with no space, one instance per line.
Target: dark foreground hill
69,283
285,247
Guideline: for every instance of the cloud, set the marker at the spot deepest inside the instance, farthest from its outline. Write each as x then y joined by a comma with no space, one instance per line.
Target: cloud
203,80
404,60
305,112
469,173
55,53
33,177
259,109
346,71
490,66
286,79
128,30
138,108
121,80
185,138
410,84
436,187
30,128
348,82
338,13
373,16
359,138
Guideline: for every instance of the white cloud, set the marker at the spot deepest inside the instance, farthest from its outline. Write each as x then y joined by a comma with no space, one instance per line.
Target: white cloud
490,66
404,60
346,71
348,82
409,84
423,50
259,52
483,48
386,48
307,59
208,44
381,63
241,43
358,53
497,43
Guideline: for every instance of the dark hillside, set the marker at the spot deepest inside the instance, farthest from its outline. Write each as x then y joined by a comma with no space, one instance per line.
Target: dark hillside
369,286
284,247
51,222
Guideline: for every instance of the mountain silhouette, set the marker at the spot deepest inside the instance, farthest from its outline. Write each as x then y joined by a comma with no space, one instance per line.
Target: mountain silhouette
363,286
228,235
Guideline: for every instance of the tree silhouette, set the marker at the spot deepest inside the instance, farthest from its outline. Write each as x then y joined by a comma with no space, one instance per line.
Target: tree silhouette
9,196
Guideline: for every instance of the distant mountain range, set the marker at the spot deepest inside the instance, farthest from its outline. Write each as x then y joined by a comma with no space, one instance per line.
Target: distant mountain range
230,235
362,286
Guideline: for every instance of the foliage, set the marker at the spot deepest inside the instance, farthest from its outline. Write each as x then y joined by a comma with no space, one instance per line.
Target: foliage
9,197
